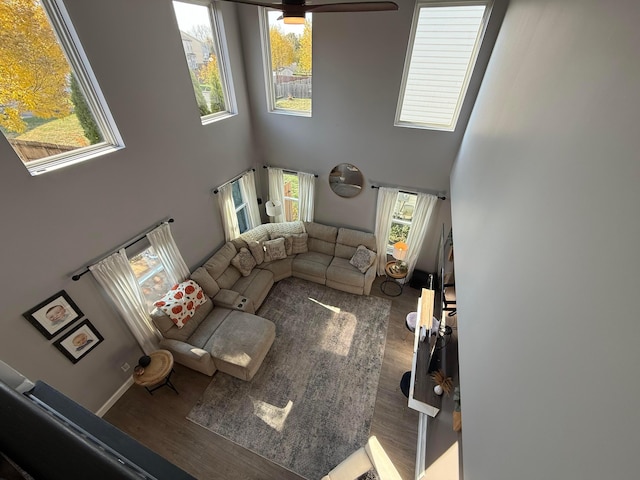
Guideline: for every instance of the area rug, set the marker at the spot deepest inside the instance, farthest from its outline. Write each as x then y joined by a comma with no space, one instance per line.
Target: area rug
310,405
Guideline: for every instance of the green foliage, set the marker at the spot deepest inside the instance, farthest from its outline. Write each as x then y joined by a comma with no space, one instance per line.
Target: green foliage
399,233
85,117
300,104
202,103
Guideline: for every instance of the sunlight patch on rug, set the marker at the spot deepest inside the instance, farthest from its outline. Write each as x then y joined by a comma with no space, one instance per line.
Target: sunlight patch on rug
310,404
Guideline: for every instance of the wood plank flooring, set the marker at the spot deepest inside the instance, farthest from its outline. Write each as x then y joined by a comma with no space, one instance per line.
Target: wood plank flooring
160,423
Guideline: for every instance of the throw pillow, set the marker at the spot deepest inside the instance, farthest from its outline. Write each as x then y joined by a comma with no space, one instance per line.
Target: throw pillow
244,262
299,243
181,301
256,250
363,258
288,242
369,475
274,250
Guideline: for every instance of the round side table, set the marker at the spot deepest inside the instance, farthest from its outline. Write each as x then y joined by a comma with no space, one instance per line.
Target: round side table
393,275
158,373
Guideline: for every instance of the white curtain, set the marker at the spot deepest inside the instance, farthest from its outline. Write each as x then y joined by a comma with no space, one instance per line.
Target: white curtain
115,275
228,212
276,190
248,189
307,191
384,211
165,247
425,204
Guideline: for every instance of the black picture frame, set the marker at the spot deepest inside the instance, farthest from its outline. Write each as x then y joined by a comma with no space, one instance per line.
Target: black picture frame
48,317
79,341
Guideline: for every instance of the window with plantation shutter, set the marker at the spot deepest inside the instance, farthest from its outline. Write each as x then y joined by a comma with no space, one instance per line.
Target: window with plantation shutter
444,43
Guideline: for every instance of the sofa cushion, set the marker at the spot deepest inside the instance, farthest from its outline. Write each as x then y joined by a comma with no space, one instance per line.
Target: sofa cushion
240,344
169,330
244,262
206,281
218,266
299,243
257,250
348,240
208,327
322,238
274,250
363,258
279,268
341,271
311,266
239,243
255,286
180,303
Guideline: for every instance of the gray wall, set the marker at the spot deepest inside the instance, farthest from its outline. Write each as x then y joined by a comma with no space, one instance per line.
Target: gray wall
357,70
57,222
546,228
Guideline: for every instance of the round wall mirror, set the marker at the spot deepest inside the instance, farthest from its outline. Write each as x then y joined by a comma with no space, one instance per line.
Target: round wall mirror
346,180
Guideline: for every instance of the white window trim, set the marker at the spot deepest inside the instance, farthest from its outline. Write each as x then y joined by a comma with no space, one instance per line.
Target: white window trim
268,70
472,62
70,43
224,64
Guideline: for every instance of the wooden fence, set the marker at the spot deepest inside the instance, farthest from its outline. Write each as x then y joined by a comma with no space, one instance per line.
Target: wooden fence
285,88
28,150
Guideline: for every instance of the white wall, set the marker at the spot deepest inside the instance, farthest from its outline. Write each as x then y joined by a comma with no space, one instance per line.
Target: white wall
545,218
57,222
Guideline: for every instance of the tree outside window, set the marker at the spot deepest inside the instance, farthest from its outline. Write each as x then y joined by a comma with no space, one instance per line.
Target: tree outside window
402,218
151,275
291,196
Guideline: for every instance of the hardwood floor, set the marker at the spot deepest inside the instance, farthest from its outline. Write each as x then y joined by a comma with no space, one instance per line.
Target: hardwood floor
160,423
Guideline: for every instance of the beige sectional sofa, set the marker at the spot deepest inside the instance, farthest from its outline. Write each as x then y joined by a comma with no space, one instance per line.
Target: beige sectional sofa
323,255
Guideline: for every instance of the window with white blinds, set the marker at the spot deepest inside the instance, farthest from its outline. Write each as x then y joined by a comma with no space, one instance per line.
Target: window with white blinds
443,47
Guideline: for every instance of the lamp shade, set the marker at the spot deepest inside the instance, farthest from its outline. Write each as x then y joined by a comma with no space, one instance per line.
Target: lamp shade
400,250
274,208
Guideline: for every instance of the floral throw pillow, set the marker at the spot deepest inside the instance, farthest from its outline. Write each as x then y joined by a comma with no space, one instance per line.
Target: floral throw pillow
181,301
244,262
363,258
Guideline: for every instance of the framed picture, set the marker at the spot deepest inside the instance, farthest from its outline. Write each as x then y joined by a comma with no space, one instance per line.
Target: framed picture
79,341
54,314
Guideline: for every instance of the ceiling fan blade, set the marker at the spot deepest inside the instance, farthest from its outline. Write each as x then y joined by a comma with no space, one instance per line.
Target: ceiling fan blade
276,5
352,7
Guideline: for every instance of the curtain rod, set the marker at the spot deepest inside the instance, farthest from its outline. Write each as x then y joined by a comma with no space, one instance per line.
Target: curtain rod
290,171
215,191
440,195
131,242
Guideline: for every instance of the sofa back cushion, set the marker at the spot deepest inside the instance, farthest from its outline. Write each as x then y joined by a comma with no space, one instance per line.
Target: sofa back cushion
349,239
219,266
322,238
168,329
206,281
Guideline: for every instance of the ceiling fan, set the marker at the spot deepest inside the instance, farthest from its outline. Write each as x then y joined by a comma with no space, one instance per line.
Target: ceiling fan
293,11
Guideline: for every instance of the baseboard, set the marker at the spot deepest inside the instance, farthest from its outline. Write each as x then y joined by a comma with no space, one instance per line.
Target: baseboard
114,398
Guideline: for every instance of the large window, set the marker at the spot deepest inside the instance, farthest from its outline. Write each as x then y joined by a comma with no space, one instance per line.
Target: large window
287,63
402,218
152,277
52,111
242,212
443,47
291,196
200,27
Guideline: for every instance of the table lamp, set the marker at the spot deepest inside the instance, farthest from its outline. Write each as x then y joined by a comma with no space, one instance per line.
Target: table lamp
400,253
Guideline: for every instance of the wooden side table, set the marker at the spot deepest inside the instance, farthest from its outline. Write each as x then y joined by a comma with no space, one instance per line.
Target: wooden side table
393,275
158,373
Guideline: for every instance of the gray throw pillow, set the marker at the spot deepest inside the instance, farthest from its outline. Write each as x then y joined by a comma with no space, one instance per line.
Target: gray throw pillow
256,250
299,243
363,258
274,250
288,242
244,262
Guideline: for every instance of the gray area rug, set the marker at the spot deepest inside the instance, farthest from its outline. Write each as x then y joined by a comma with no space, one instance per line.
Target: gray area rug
310,405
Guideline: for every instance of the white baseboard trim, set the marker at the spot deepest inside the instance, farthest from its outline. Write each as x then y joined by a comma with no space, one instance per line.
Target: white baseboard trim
114,398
